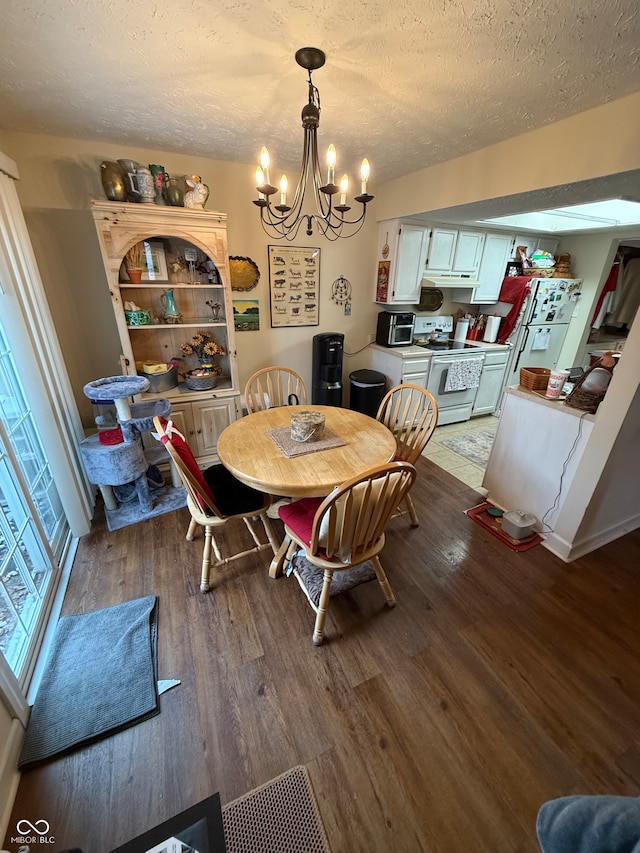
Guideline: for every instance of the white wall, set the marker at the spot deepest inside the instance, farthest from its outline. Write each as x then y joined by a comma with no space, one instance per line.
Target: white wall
58,179
603,500
59,176
599,142
616,502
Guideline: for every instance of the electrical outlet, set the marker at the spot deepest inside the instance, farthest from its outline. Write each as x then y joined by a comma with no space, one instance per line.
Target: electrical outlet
372,339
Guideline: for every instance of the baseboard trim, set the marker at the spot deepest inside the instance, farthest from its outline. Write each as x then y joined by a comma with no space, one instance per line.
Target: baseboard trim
569,551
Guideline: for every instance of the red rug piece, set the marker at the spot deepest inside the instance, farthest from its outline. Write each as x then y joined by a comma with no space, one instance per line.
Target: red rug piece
480,515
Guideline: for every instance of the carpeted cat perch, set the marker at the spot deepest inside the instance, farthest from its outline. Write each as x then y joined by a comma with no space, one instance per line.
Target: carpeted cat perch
124,461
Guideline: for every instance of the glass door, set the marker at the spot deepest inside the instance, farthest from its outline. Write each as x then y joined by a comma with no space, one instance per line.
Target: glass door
45,500
34,531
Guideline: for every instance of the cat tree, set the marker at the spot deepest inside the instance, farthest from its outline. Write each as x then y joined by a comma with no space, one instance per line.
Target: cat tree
109,465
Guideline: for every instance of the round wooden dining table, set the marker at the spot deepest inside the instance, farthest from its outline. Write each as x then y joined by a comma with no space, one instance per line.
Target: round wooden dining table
249,451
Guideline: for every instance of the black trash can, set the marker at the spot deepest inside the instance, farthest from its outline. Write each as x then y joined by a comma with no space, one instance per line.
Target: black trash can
368,387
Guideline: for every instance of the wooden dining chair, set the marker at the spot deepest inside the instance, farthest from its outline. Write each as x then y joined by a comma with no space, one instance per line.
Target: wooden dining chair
214,497
274,386
411,413
342,532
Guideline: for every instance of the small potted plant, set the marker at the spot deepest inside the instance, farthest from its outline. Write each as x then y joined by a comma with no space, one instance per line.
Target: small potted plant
133,263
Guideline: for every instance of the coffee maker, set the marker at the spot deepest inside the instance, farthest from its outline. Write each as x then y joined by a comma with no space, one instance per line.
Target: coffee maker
326,388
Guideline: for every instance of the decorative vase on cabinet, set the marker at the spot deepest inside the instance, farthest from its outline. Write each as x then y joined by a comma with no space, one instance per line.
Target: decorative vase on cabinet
172,313
172,231
146,185
159,180
173,193
113,181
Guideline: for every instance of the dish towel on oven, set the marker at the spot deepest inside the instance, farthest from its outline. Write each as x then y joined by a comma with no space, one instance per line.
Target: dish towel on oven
463,373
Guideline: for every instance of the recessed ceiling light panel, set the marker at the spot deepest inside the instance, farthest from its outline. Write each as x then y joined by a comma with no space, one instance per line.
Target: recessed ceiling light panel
611,213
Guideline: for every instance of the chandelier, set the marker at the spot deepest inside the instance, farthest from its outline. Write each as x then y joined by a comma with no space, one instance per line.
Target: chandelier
284,220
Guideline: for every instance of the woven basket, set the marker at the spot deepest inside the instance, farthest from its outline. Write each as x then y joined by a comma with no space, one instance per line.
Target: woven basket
540,272
200,383
534,378
586,401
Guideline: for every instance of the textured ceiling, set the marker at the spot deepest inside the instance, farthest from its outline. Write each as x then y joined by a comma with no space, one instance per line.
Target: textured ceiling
408,84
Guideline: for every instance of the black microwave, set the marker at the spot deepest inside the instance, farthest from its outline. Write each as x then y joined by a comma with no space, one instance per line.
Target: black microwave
395,328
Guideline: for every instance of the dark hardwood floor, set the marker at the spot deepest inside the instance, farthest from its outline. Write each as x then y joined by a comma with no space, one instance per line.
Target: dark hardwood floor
499,681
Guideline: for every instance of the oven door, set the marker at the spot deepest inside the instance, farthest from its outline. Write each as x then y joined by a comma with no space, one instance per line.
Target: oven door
457,404
400,336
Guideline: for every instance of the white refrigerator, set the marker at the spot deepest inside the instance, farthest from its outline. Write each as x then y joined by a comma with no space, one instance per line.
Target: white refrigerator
544,320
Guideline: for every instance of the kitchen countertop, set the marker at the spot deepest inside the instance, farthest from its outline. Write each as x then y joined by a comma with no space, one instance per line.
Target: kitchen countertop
404,352
557,405
414,351
485,345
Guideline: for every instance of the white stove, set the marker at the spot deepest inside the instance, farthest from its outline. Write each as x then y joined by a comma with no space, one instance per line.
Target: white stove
454,372
425,327
433,335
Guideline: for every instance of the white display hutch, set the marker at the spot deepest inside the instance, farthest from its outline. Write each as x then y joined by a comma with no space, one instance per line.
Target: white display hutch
200,415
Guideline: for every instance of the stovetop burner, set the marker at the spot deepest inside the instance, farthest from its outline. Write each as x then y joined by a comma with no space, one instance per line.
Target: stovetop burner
443,345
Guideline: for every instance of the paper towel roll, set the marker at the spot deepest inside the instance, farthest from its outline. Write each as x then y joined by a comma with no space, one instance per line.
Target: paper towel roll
462,327
491,329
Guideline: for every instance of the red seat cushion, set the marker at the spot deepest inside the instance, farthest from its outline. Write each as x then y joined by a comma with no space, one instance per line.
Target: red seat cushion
184,452
217,482
299,515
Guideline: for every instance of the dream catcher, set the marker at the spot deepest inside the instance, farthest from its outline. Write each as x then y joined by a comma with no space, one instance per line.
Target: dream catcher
341,293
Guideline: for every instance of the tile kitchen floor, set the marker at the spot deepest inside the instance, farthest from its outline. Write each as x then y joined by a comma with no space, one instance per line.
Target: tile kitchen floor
452,462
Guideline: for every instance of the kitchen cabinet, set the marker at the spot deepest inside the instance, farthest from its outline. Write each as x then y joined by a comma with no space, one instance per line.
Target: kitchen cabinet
547,244
402,249
409,250
468,251
202,421
491,382
190,258
534,242
442,244
496,252
401,364
451,250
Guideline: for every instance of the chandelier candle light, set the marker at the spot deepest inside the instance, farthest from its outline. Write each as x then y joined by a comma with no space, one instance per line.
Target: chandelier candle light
283,220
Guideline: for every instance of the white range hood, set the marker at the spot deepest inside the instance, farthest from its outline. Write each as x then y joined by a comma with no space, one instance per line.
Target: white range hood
449,279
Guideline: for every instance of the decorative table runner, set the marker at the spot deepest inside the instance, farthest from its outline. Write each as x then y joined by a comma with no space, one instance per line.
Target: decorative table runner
281,436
